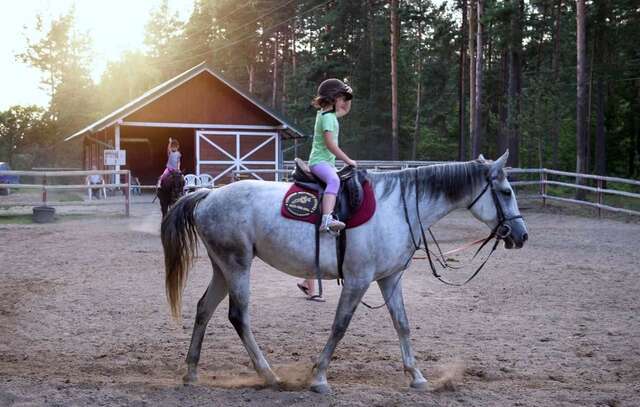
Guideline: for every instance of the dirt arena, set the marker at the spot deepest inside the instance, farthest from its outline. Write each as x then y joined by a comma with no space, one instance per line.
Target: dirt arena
84,321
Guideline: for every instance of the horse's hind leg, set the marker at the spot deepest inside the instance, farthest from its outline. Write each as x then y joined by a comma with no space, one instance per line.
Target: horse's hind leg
238,283
215,293
391,289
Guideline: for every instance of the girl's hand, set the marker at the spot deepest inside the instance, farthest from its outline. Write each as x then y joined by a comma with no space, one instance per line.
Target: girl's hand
351,163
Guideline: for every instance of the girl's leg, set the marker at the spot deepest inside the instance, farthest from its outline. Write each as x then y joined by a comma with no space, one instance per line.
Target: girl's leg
164,174
328,174
328,203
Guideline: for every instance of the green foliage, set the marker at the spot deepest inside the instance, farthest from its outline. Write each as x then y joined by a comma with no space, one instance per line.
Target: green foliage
282,49
23,131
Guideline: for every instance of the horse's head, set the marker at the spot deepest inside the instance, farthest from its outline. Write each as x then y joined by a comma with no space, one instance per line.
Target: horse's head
495,204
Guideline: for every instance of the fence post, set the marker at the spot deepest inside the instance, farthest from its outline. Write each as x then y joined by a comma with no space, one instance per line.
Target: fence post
599,197
44,190
543,186
127,193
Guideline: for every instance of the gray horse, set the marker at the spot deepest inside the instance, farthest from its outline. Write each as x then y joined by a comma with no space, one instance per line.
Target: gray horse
242,220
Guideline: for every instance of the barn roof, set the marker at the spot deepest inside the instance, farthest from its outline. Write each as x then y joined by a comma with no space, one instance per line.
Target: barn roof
171,84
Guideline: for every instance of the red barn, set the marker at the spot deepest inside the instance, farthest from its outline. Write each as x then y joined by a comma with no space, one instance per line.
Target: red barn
220,129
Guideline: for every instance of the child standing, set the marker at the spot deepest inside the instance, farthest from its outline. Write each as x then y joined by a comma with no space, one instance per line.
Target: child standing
332,101
173,158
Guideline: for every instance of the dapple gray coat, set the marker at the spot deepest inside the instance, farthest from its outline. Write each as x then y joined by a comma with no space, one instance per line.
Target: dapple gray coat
242,220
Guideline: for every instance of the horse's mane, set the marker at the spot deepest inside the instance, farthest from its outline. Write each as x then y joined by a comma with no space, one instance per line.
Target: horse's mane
454,180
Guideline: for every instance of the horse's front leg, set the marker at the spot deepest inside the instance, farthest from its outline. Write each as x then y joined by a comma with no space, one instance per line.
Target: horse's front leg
352,293
391,288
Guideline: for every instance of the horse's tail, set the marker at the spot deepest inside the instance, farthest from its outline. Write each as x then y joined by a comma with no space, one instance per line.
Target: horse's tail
180,242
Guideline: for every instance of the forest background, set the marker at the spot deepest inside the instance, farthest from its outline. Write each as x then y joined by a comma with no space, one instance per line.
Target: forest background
555,81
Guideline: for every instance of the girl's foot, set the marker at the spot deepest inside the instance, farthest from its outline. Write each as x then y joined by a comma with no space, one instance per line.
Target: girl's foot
331,225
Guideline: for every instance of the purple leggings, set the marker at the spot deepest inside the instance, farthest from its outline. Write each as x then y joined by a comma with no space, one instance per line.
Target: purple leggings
327,173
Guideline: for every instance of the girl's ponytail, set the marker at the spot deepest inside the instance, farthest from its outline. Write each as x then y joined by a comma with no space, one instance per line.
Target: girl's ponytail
322,102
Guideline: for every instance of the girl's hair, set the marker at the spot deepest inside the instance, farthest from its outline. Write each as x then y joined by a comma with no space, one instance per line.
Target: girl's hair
174,144
322,102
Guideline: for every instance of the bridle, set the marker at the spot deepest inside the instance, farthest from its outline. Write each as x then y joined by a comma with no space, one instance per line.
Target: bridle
501,231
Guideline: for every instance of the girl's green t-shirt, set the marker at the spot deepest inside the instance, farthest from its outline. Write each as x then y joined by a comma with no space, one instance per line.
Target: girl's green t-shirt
325,121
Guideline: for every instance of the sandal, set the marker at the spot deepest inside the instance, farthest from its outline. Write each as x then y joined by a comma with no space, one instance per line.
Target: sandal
302,288
316,298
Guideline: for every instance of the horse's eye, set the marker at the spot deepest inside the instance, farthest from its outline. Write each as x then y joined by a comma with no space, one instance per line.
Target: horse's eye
506,192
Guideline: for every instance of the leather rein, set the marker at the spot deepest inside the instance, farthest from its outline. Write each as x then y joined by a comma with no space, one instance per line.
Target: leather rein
501,231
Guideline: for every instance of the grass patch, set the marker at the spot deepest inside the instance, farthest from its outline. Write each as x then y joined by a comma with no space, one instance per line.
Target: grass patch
68,197
15,219
27,219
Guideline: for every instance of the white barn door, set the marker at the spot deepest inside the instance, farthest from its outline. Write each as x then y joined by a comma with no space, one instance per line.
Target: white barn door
219,153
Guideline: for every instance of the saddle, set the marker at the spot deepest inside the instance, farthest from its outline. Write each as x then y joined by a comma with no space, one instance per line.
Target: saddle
355,205
350,194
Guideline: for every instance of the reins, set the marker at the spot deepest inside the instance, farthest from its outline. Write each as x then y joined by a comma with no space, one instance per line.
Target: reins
499,232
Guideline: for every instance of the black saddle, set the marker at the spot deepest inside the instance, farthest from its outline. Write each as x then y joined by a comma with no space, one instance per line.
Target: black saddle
350,195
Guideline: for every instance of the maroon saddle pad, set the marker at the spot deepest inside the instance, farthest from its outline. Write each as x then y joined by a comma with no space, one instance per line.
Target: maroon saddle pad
304,205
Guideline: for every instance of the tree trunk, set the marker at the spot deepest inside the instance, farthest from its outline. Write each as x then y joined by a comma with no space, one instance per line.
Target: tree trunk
477,133
293,46
416,132
587,164
582,89
513,100
395,153
251,71
502,96
275,73
634,155
555,131
602,49
372,44
472,70
601,152
462,141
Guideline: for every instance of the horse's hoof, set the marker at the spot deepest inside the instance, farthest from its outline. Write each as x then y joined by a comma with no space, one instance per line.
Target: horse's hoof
190,378
419,385
274,382
321,388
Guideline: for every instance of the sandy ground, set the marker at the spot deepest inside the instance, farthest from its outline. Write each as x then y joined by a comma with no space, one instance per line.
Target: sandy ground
84,321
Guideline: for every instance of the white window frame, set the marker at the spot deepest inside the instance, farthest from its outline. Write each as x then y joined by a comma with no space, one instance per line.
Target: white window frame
237,161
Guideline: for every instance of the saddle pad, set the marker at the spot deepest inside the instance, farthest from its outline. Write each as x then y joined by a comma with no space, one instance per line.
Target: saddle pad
304,205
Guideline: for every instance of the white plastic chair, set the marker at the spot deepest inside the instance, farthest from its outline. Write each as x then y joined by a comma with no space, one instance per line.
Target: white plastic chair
206,181
135,186
191,182
101,190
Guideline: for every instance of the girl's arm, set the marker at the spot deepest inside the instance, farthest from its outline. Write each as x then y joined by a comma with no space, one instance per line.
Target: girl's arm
169,146
331,146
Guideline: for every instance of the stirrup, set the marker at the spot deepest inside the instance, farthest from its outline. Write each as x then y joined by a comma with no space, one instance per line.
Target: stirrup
327,226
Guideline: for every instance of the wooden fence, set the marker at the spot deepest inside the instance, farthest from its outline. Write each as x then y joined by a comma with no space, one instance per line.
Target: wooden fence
542,180
45,184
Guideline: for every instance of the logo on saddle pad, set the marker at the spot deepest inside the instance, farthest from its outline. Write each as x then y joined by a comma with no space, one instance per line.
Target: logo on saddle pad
301,204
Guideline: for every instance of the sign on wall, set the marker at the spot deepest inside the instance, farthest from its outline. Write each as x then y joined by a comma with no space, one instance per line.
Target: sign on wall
115,157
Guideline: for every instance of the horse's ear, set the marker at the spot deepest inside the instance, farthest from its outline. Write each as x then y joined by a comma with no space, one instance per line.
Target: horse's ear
498,165
481,158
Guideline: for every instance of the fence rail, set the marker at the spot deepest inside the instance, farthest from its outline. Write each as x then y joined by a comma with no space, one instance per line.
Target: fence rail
45,186
543,182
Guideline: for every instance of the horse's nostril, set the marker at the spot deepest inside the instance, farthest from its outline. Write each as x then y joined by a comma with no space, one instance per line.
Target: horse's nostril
525,237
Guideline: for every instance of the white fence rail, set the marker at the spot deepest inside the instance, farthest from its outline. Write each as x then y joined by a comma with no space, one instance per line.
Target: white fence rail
600,190
542,181
45,184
